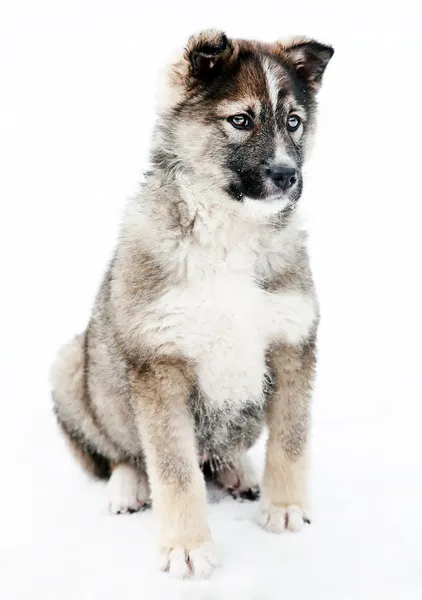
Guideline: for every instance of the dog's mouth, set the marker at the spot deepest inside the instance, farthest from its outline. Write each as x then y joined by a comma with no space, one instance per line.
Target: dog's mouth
239,195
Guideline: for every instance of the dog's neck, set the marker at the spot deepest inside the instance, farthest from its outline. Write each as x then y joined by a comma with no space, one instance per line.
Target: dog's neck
189,230
204,194
176,209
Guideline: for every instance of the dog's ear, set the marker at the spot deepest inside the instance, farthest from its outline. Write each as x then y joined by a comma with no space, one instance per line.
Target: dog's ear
309,59
206,53
203,57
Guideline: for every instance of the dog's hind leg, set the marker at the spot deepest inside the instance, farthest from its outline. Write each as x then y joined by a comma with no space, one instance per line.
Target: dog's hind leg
128,489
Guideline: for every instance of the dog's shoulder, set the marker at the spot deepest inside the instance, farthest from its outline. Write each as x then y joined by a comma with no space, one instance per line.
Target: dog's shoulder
284,263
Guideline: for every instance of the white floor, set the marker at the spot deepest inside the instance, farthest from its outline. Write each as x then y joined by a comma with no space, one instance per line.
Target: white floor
76,108
59,542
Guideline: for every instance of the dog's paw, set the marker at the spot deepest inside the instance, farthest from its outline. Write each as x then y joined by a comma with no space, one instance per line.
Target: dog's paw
277,519
240,479
250,493
181,563
127,490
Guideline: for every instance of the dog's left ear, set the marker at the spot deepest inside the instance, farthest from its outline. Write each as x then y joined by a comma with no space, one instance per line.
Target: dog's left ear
309,58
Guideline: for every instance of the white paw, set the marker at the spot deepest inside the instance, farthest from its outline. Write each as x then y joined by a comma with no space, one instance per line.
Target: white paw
277,519
181,563
127,490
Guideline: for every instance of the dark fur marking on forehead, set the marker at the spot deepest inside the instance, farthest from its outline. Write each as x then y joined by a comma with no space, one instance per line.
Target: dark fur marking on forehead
239,79
223,69
267,117
296,87
245,77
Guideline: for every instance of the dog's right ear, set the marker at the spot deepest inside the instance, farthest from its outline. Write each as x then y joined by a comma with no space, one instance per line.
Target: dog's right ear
206,53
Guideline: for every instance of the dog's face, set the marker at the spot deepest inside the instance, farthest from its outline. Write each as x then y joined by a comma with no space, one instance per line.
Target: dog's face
239,116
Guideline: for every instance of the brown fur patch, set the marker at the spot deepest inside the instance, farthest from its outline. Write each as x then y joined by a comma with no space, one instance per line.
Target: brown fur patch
285,477
294,370
160,395
142,279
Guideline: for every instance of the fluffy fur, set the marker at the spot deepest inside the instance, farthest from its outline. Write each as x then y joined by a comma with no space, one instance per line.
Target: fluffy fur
205,323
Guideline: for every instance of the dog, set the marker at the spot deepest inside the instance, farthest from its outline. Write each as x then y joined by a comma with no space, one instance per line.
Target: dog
204,328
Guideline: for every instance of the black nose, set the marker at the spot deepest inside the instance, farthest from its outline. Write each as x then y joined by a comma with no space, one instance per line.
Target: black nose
283,177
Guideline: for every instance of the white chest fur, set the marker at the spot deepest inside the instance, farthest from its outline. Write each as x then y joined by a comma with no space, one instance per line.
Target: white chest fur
218,316
225,323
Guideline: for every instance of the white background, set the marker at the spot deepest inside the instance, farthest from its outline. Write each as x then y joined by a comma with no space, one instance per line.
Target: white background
77,99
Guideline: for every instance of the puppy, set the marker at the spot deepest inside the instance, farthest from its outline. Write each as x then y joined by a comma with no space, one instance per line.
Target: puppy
204,328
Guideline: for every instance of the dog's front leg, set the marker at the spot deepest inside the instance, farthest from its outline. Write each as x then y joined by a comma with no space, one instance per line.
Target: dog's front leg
160,396
285,487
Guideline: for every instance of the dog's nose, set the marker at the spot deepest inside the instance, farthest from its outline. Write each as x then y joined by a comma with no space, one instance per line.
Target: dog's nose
283,177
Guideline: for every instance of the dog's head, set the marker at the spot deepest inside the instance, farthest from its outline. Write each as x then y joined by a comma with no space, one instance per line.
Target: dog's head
238,116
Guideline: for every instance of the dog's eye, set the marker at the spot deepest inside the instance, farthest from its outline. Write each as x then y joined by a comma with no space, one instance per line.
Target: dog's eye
240,121
293,123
